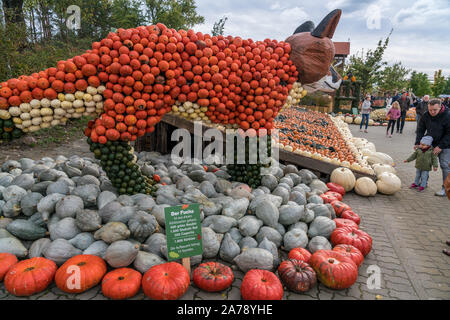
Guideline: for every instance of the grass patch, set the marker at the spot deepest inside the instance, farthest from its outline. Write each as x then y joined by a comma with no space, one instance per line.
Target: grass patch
74,129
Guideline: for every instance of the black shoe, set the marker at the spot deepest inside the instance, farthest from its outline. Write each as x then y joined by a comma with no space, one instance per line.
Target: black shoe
401,132
447,252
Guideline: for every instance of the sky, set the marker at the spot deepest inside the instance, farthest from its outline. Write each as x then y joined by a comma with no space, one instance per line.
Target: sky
420,39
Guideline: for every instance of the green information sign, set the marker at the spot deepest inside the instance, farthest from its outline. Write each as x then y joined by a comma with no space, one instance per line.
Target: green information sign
183,231
355,111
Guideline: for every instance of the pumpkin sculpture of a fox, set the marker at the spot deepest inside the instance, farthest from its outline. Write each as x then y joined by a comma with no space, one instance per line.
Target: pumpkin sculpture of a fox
141,73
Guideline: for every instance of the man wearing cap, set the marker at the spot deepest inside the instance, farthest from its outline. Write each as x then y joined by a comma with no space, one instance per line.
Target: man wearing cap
436,123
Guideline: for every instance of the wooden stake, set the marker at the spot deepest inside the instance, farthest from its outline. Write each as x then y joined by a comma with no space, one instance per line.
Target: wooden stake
186,262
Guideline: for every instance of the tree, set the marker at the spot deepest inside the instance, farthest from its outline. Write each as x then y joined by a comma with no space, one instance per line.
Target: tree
439,84
368,67
219,26
447,86
394,77
177,14
420,84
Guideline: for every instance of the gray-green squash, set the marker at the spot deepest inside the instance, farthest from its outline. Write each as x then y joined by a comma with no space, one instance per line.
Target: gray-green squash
112,231
82,240
249,226
64,229
228,249
319,243
290,214
26,230
46,205
24,181
38,247
13,246
321,226
272,248
144,261
11,208
220,224
154,244
98,248
211,245
294,239
88,220
121,254
271,234
60,250
248,242
108,210
29,203
104,198
88,193
69,206
142,225
37,220
123,214
254,258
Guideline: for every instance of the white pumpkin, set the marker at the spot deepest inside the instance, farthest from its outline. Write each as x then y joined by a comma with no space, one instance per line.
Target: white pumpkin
36,121
26,123
54,123
78,103
101,89
45,125
17,120
61,97
349,120
358,120
90,104
381,168
344,177
79,95
47,119
91,90
388,183
46,112
35,104
45,103
381,158
55,103
25,107
66,105
69,97
365,187
34,128
14,111
87,97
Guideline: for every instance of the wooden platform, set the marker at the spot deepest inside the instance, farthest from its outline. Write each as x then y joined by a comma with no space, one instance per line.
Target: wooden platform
160,141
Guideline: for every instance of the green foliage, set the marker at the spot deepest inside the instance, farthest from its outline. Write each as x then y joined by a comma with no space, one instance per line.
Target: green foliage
219,26
368,67
394,77
419,84
43,38
447,86
439,84
177,14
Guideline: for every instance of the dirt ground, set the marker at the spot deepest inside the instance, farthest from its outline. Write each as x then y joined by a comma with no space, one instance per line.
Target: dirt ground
17,149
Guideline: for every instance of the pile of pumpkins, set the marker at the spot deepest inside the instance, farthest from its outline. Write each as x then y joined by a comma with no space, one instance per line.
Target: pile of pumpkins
335,268
63,208
45,113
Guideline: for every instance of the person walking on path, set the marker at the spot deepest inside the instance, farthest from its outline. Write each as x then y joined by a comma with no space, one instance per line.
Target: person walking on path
405,103
366,108
436,123
447,191
421,108
393,114
425,161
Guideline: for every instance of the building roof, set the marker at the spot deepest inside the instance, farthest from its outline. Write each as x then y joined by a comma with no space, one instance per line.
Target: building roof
342,48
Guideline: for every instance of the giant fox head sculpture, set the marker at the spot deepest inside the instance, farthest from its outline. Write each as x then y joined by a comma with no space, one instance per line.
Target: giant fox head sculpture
313,52
135,76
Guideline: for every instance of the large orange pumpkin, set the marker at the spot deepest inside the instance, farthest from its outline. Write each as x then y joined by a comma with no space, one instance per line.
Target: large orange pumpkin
121,283
334,270
261,285
213,276
168,281
7,260
30,276
80,273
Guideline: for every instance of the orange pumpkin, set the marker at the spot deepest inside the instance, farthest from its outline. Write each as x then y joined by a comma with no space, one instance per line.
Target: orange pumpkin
30,276
121,284
80,273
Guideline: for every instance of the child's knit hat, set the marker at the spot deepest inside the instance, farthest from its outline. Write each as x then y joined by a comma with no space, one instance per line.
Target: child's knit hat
427,140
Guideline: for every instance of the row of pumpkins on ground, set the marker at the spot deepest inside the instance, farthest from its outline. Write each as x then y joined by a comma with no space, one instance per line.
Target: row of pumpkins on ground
377,117
336,269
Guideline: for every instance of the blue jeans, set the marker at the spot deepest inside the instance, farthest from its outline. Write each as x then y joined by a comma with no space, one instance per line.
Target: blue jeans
365,117
444,159
422,178
401,122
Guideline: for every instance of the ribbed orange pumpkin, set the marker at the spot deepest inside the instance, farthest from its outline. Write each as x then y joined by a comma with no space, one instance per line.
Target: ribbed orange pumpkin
80,273
168,281
261,285
300,254
7,260
334,270
121,283
30,276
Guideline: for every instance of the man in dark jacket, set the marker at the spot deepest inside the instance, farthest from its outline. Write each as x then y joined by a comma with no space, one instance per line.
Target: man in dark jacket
421,108
405,104
436,123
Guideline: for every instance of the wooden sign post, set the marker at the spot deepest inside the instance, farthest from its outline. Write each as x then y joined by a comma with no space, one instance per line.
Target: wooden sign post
183,233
